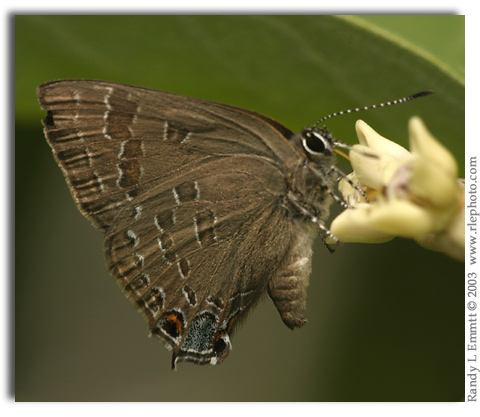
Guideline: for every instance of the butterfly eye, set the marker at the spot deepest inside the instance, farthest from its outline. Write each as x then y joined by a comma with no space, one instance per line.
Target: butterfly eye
315,143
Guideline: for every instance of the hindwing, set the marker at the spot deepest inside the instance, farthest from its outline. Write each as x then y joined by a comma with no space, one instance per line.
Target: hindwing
195,252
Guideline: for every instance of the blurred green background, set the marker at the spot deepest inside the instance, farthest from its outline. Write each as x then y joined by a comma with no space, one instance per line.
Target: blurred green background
385,321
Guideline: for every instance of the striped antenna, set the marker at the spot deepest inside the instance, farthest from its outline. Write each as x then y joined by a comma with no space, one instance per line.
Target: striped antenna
388,103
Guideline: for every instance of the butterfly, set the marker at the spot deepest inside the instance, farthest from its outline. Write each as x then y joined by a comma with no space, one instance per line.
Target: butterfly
205,206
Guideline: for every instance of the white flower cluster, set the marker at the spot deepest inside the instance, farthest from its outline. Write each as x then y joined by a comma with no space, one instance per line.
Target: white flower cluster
412,194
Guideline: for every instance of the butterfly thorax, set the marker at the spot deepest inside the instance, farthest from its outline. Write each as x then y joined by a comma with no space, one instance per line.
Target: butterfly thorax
311,179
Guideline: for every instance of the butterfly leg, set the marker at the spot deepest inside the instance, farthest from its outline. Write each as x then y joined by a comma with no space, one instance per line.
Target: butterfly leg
293,199
342,176
339,174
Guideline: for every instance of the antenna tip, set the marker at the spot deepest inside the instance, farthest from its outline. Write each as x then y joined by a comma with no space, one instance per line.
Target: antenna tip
423,94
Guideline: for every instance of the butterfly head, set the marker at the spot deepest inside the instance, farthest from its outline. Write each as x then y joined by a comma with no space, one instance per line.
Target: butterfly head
316,145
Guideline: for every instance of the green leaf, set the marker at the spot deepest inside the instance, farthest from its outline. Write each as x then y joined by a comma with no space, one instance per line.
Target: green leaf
293,68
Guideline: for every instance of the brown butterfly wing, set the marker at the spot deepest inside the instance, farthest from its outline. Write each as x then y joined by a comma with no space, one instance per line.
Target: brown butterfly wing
114,141
191,196
195,258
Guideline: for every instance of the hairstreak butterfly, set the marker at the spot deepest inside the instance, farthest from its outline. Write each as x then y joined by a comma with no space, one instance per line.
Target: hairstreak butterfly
204,206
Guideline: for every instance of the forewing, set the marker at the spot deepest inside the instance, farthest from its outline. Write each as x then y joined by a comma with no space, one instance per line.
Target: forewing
114,141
